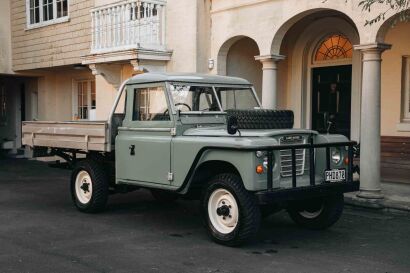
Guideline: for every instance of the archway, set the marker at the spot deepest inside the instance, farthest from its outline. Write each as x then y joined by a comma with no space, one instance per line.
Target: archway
237,58
300,44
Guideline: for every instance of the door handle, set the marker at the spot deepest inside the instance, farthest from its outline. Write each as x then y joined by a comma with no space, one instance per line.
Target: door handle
132,150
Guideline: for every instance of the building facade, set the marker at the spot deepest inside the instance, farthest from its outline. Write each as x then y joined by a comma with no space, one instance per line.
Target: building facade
65,59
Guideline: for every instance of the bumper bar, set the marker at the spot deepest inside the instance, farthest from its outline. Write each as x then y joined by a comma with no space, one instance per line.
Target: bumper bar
300,193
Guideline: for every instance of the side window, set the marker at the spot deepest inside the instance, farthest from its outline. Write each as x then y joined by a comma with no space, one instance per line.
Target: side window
150,104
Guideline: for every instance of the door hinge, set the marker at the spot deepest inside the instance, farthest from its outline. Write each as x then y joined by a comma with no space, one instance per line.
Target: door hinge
173,131
170,176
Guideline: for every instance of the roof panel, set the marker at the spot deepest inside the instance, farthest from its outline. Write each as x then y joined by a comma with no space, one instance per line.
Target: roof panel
186,77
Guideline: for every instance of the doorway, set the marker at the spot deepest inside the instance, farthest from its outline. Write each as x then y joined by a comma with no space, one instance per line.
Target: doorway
331,99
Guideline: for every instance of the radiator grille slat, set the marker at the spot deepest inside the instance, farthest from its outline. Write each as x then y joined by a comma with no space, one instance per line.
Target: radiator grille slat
286,157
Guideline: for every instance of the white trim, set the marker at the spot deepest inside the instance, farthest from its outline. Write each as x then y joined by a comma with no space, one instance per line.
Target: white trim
74,94
405,106
43,23
403,127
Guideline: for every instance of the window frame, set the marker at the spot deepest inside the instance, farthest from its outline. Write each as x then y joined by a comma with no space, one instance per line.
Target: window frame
340,61
42,22
405,89
129,122
75,107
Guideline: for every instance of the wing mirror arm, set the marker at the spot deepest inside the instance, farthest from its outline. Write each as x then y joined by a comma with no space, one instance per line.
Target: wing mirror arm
232,125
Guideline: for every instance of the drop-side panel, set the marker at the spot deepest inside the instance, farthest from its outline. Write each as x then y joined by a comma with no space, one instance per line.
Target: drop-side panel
88,136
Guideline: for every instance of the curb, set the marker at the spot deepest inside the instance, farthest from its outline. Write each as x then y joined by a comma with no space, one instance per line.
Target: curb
377,204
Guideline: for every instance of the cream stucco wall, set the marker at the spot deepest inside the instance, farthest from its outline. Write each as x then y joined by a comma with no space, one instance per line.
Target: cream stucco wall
241,63
181,35
55,93
399,37
274,27
5,37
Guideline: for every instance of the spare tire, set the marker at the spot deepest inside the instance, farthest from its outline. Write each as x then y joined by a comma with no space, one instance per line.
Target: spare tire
263,119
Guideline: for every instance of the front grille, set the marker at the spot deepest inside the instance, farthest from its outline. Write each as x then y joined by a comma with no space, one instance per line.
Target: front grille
286,156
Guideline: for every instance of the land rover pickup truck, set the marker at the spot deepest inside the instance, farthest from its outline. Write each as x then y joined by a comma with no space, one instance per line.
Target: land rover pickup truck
203,137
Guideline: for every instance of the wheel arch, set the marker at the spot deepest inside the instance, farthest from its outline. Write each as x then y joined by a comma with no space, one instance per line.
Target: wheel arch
206,170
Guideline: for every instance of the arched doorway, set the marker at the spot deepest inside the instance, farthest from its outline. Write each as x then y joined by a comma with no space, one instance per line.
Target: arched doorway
332,85
237,58
314,47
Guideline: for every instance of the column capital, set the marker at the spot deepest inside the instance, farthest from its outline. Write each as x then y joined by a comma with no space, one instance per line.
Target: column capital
267,58
269,61
380,47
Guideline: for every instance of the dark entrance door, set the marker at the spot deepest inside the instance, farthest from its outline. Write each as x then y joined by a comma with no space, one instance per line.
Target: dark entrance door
331,99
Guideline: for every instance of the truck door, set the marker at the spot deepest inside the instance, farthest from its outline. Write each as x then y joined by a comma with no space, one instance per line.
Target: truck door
143,144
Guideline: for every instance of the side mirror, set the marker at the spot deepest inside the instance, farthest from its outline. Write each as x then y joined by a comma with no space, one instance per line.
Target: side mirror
232,125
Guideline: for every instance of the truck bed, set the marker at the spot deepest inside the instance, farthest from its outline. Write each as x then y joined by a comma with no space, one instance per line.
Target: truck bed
77,135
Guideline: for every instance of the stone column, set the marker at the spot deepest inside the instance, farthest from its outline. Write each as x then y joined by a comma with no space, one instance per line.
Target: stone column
269,80
370,120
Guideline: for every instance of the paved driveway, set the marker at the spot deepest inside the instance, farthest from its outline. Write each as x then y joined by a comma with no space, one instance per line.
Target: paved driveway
41,231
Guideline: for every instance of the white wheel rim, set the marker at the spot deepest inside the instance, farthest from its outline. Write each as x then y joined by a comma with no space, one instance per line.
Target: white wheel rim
83,187
223,211
310,214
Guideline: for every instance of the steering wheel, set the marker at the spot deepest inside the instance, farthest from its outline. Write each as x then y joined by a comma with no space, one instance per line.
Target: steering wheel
178,104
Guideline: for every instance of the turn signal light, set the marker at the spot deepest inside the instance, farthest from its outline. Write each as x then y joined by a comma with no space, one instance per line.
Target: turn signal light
346,161
259,169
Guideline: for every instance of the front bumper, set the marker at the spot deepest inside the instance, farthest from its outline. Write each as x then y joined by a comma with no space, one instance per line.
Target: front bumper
300,193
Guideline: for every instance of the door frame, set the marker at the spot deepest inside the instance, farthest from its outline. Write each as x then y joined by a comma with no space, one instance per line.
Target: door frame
335,65
299,70
307,83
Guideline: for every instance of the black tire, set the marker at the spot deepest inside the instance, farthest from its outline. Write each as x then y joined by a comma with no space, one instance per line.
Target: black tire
100,187
164,196
248,210
331,210
263,119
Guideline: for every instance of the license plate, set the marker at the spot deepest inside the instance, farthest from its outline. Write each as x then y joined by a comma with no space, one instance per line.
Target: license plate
335,175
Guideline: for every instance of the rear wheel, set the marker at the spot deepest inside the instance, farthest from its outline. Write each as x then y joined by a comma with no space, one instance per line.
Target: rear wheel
89,186
318,213
230,212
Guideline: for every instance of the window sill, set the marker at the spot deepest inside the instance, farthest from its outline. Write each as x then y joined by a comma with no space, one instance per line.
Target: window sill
403,126
48,23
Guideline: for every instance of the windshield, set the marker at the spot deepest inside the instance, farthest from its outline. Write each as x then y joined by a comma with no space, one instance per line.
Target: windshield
237,98
194,98
188,98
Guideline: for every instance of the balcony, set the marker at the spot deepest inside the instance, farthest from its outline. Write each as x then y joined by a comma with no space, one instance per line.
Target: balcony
128,25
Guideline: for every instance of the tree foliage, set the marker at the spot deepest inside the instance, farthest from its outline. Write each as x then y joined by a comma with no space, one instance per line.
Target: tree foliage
401,7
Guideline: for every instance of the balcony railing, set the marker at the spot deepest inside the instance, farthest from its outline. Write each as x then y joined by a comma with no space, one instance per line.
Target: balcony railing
129,24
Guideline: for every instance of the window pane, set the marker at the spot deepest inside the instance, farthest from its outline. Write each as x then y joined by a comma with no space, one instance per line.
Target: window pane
82,100
235,98
194,98
47,10
150,104
334,47
93,95
62,8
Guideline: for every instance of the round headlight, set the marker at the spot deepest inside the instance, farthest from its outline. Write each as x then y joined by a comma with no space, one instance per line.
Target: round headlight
336,156
265,162
259,154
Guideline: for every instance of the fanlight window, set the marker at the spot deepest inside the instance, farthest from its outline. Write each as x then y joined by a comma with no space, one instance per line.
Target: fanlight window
333,48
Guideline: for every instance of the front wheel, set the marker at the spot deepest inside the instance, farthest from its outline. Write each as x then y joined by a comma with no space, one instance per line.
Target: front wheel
319,213
230,212
89,186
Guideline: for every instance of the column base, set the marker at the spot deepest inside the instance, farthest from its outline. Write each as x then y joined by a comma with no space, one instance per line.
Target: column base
370,194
